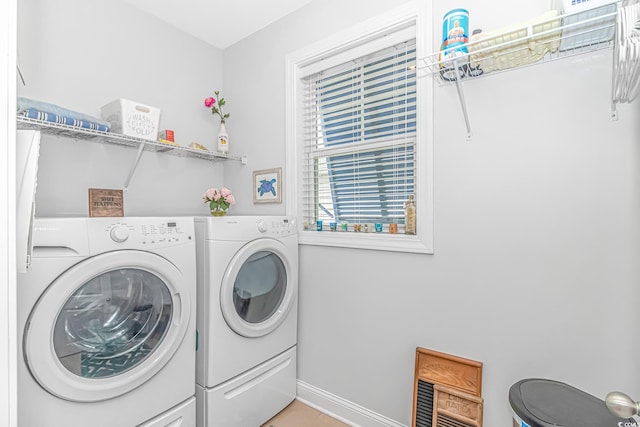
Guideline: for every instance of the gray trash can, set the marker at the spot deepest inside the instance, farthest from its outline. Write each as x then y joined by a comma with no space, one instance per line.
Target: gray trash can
537,402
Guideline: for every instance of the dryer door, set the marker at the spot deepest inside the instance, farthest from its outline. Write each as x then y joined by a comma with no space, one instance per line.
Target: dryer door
259,288
107,325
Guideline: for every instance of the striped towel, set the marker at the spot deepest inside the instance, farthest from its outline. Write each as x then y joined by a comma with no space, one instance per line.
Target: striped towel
63,120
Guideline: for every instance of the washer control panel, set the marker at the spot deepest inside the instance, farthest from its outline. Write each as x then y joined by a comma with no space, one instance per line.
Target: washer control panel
140,233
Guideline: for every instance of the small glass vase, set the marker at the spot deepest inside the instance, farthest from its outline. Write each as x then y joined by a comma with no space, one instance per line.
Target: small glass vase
218,213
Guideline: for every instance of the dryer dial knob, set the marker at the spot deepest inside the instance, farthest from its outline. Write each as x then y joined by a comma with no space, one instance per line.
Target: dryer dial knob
119,233
262,226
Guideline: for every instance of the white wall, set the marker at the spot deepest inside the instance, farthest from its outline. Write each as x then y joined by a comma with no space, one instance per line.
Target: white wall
537,224
82,57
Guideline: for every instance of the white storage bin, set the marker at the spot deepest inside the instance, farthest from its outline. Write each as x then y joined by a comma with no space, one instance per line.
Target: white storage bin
599,31
132,118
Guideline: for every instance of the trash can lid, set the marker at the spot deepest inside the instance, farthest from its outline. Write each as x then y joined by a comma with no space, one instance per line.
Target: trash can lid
547,403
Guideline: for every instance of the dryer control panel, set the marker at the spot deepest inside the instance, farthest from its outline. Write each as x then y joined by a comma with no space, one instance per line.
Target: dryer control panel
241,228
276,226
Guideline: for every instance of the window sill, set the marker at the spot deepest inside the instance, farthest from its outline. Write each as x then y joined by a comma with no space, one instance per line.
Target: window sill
367,241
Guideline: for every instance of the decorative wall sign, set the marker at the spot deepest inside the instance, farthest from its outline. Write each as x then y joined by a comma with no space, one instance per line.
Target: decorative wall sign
267,186
103,202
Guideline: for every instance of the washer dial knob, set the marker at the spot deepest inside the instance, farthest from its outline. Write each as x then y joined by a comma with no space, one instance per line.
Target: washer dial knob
119,233
262,226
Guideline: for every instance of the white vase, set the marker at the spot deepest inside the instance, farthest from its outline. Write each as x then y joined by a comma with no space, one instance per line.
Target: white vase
223,139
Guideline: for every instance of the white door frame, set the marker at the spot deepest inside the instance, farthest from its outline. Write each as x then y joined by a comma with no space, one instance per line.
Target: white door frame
8,363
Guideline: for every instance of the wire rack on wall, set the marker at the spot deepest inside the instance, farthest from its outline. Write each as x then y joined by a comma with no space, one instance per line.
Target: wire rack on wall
80,134
550,37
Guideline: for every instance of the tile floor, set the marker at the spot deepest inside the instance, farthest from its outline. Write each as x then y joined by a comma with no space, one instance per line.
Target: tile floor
298,414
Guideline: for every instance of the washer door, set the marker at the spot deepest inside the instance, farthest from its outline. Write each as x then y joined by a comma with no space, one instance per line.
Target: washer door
259,288
107,325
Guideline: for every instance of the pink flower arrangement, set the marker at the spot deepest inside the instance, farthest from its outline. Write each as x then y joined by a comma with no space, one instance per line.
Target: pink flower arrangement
219,199
210,102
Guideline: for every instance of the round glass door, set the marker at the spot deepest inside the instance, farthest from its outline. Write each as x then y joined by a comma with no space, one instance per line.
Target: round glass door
107,325
112,323
259,288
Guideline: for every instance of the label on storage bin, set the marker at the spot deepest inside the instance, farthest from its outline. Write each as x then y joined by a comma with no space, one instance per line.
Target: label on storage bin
141,124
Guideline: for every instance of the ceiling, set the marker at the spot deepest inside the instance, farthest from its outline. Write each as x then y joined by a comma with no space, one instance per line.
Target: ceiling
219,23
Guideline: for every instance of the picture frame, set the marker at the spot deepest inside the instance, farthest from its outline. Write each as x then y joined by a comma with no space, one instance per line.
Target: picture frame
267,186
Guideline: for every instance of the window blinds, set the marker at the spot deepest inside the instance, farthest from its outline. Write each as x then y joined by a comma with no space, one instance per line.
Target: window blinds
359,138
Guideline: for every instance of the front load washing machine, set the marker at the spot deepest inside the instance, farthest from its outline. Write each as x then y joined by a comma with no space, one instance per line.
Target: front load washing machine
246,318
106,320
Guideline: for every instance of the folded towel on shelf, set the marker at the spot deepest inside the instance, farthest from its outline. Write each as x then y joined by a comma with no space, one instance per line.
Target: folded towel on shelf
516,45
57,114
63,120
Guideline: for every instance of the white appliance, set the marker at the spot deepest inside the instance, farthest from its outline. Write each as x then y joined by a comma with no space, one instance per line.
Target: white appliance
106,319
247,318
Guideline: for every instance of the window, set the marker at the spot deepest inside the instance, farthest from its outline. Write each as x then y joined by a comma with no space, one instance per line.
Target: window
361,145
359,138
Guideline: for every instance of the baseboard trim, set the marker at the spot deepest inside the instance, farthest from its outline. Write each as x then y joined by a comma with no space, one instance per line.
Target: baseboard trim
341,409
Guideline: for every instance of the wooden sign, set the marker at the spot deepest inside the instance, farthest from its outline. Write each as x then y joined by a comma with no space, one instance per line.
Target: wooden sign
104,202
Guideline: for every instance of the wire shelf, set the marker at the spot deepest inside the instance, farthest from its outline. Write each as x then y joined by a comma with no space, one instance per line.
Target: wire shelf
535,42
80,134
550,37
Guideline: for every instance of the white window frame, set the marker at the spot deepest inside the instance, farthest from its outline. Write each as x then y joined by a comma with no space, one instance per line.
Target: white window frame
339,48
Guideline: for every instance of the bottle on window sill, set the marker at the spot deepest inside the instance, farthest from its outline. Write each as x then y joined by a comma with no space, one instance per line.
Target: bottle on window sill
410,216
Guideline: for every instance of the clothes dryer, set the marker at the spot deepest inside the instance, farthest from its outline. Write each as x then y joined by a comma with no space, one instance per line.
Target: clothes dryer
106,320
246,318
